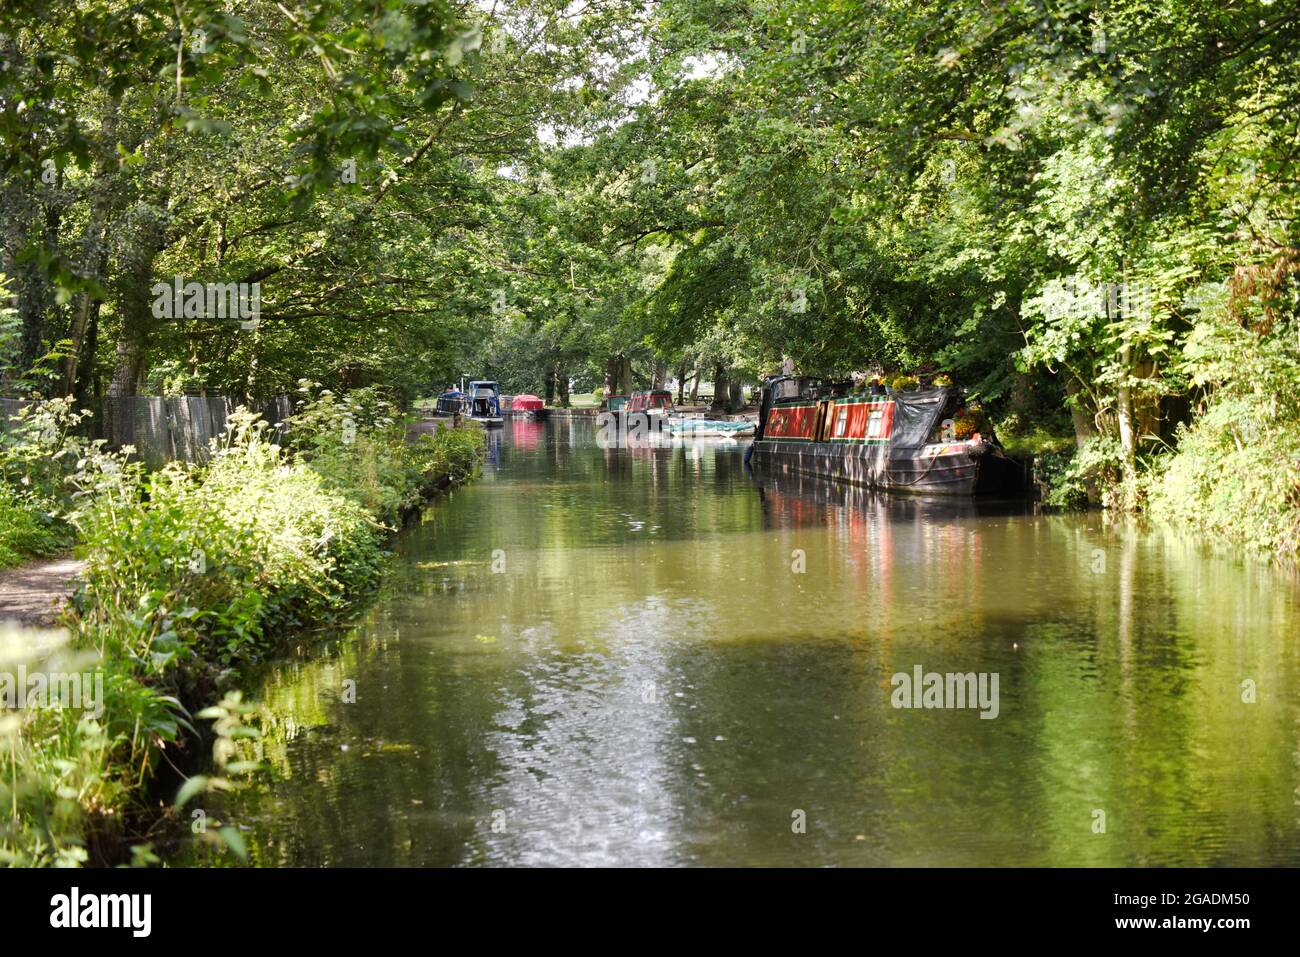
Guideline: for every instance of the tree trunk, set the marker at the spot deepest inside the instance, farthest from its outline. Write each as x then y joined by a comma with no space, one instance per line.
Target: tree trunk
624,375
719,388
1084,426
94,259
561,385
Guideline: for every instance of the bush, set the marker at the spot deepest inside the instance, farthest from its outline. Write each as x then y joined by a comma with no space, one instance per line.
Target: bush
357,444
1237,475
27,527
206,561
454,454
39,451
1076,477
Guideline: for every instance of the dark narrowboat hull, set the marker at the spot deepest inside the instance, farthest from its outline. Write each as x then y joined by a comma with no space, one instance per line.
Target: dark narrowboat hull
971,469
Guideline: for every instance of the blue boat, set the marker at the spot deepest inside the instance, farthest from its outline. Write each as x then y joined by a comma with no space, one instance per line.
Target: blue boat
450,402
483,404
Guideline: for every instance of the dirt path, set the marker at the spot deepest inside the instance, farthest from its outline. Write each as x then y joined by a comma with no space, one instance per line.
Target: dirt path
33,594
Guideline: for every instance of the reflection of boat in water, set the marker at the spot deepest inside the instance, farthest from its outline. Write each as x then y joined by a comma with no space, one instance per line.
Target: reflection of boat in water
923,442
712,428
798,498
526,433
483,404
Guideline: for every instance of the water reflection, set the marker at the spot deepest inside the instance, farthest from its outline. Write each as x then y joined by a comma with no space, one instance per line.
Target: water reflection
647,656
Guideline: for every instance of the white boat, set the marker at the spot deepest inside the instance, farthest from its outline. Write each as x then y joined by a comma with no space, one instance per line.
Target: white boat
712,428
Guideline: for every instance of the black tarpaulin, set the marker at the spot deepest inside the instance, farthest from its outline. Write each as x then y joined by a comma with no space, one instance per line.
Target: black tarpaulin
915,416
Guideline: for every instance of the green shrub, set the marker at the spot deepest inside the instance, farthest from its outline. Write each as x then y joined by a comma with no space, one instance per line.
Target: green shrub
1236,474
27,527
453,453
208,560
1076,477
357,444
39,450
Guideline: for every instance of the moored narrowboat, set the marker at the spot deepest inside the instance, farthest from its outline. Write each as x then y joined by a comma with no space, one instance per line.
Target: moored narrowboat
651,402
483,404
907,441
450,402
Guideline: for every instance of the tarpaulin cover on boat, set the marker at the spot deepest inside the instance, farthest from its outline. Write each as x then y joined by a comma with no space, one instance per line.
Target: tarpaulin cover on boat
915,416
527,403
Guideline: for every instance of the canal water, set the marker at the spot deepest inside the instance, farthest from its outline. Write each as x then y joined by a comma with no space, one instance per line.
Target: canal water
649,656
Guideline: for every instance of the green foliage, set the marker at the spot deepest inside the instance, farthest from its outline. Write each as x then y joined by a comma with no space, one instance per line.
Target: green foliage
65,768
42,455
1075,478
207,561
451,454
194,573
26,529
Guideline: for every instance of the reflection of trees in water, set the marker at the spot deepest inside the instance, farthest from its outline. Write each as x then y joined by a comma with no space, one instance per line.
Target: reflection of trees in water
1120,687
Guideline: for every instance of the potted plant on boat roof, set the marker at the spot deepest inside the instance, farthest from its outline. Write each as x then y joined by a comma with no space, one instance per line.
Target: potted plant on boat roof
964,424
905,383
942,380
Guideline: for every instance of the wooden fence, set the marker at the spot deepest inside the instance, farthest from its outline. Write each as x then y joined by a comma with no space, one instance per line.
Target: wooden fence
165,428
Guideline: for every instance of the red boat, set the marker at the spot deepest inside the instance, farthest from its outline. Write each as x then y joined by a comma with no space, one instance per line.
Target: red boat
917,441
530,406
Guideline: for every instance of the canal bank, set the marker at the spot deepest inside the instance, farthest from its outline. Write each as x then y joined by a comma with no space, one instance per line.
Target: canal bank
192,576
653,656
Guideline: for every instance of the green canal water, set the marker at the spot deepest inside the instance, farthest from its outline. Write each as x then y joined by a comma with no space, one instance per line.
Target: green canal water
652,657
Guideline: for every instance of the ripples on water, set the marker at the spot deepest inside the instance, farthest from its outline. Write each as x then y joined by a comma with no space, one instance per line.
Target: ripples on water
643,679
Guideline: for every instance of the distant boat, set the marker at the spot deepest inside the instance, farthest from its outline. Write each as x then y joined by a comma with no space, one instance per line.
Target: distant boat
530,406
483,404
449,403
712,428
651,402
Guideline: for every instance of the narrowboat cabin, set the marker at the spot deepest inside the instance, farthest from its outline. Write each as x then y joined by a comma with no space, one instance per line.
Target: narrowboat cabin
484,402
616,403
926,441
